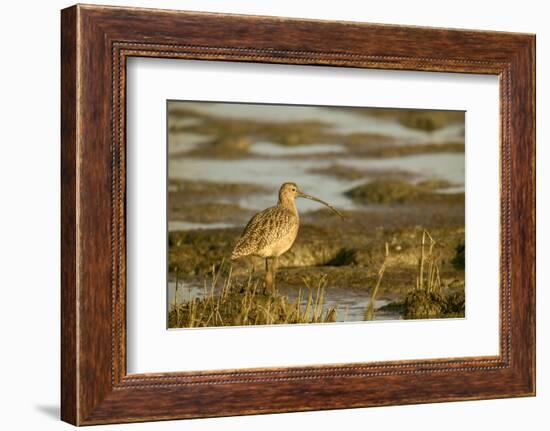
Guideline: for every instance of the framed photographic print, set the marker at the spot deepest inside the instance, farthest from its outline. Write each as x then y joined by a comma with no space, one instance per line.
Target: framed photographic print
226,161
266,215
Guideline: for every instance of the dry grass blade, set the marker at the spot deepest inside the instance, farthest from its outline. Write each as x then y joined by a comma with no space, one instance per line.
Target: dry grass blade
370,312
244,304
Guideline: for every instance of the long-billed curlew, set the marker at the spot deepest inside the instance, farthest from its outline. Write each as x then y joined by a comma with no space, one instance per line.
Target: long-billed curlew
272,232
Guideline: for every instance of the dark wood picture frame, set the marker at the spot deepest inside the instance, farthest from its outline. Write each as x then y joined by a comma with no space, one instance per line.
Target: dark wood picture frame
96,41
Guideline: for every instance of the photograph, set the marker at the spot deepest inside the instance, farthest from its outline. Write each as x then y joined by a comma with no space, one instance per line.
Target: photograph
299,214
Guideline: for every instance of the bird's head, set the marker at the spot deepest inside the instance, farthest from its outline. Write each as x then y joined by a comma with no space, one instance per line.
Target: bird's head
290,191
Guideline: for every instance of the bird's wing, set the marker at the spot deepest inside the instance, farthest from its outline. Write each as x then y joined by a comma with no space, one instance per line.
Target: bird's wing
263,229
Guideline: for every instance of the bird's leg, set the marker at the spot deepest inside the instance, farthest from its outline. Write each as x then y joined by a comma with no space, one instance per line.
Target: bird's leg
274,264
269,273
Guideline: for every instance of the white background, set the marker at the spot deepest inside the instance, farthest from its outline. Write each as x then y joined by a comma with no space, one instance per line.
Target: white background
151,348
29,217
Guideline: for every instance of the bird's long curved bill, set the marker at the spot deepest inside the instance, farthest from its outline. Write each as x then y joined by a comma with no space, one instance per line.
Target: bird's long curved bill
313,198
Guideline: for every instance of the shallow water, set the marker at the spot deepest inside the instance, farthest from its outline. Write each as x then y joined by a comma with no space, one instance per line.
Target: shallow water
183,142
269,173
176,225
274,165
271,149
337,120
444,166
350,303
272,172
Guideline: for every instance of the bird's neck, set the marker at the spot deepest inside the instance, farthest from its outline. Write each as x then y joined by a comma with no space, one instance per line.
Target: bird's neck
288,203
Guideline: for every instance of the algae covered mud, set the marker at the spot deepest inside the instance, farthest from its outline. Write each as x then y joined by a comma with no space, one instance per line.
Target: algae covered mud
397,176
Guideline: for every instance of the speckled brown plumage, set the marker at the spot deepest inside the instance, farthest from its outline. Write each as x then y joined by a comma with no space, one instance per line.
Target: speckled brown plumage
269,233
